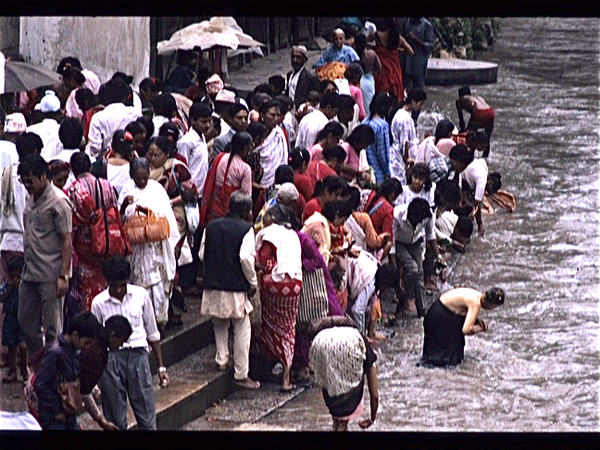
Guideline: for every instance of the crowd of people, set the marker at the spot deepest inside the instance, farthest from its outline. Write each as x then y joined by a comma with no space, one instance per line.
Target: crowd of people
297,206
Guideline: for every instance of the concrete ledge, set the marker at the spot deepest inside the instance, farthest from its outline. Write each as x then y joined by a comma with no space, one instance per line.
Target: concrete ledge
448,72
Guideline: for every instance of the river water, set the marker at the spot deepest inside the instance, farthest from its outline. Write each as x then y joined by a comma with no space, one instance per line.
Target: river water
537,369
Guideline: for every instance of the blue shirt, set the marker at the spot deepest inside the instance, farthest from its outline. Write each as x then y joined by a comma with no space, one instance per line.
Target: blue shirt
346,55
417,64
378,152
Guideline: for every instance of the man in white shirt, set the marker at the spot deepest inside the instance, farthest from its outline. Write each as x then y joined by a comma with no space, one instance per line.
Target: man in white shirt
312,123
47,129
128,371
14,126
413,224
475,178
193,144
116,116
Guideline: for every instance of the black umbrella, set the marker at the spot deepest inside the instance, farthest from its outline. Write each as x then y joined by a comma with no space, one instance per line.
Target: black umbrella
21,76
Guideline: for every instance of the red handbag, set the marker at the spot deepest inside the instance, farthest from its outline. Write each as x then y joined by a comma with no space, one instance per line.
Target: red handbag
107,232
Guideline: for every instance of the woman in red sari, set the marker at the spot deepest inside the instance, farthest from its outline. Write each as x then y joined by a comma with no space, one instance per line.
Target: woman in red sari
88,279
388,43
280,264
228,173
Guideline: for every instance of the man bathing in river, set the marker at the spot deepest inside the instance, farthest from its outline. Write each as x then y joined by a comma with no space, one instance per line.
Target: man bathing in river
482,115
452,316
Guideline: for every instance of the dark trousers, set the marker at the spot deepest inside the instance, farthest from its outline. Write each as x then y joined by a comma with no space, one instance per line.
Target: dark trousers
410,259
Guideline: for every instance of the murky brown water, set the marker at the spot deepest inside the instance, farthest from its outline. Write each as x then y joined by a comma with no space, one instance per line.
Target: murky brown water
538,367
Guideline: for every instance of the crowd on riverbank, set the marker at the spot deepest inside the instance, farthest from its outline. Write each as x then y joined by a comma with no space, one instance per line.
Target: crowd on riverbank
299,205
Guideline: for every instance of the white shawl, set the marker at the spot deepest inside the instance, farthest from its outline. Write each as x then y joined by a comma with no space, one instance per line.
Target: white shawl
289,253
154,197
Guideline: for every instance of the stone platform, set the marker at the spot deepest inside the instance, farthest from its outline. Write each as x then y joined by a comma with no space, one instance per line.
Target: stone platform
449,72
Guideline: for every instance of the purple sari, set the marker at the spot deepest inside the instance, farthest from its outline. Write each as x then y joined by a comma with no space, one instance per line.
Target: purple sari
311,261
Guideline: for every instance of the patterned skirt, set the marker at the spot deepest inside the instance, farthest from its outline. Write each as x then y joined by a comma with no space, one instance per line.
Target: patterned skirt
279,309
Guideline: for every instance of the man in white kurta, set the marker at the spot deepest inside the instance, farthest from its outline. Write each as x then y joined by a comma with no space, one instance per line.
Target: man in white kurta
403,132
228,252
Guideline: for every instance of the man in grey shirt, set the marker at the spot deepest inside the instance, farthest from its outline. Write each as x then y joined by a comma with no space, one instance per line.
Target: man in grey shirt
48,250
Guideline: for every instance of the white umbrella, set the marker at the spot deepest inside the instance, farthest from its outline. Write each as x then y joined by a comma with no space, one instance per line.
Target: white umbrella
208,34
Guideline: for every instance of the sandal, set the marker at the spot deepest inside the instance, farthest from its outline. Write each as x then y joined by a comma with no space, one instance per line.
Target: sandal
247,383
287,390
11,377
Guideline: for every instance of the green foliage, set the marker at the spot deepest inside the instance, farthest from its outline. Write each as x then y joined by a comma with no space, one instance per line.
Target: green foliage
470,33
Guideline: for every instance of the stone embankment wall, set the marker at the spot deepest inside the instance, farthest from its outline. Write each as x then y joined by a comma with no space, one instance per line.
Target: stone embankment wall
102,44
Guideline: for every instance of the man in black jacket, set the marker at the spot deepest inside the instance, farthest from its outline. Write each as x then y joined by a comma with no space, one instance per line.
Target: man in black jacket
227,249
300,80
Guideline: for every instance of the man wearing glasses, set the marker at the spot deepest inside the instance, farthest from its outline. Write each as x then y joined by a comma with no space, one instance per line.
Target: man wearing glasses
48,250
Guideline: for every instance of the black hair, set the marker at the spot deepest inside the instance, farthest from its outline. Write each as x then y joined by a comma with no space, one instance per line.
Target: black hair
332,127
149,84
495,296
127,79
57,166
165,144
268,105
464,226
284,174
346,101
33,164
331,99
494,182
386,275
28,144
362,134
354,197
381,104
240,202
70,133
121,145
337,208
170,131
119,325
258,99
415,95
233,109
164,105
116,268
135,127
443,129
360,43
463,211
313,97
298,156
323,84
284,104
257,130
184,56
387,187
278,81
147,122
450,191
354,71
465,90
113,91
75,73
334,152
199,109
462,154
138,163
15,264
66,62
80,163
420,170
330,184
418,210
86,98
263,88
85,324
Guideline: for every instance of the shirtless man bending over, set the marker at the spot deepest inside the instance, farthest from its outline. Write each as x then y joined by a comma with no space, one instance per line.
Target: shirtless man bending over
450,318
482,115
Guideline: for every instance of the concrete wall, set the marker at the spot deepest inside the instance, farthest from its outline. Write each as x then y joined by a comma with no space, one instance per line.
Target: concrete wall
9,36
102,44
